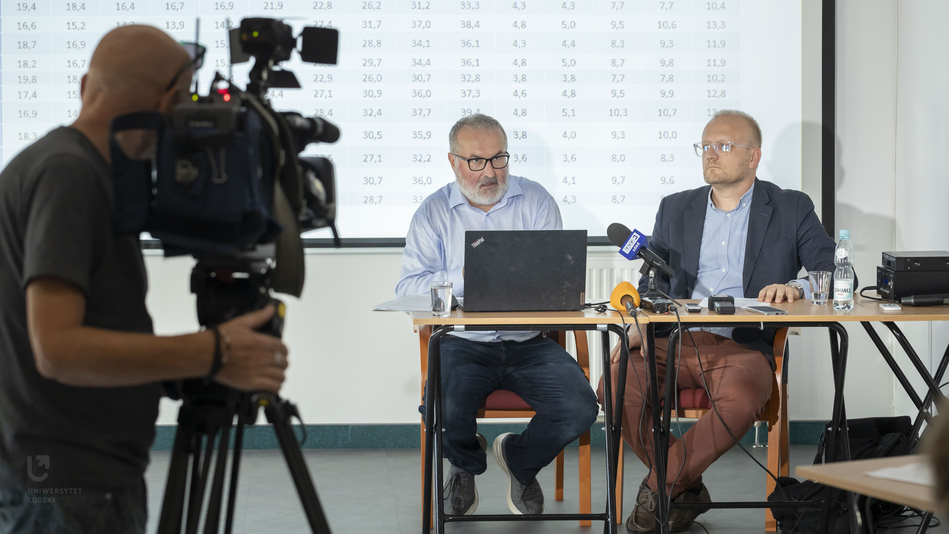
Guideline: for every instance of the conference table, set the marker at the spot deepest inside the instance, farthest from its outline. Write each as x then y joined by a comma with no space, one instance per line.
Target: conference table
801,313
853,477
459,321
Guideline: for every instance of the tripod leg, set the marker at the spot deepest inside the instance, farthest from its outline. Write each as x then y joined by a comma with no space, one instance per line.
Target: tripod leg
213,516
199,476
236,467
278,413
172,509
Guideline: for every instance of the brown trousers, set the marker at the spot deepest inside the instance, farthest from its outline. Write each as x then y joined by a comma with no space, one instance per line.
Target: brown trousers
739,380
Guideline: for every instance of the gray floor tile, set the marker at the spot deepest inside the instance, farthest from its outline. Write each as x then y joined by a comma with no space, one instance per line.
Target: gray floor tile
377,491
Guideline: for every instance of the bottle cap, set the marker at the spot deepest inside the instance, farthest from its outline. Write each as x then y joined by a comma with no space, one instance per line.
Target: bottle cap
845,234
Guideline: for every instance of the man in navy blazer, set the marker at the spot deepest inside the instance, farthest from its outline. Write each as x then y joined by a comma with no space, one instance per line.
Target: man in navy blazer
738,236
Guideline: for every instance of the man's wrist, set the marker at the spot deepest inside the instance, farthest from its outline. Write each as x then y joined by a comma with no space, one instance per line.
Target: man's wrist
796,285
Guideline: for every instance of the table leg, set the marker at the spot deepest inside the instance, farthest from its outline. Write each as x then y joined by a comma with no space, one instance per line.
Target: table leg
660,443
897,371
838,424
433,432
613,416
914,358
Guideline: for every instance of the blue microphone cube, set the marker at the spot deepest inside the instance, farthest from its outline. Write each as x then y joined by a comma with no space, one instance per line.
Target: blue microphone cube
633,243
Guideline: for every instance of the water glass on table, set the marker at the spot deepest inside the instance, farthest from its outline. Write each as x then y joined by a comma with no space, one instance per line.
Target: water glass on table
820,286
441,298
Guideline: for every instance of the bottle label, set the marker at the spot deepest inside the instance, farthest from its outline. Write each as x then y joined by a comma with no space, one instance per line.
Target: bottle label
843,289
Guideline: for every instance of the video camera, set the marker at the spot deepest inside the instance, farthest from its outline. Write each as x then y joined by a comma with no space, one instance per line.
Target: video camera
221,177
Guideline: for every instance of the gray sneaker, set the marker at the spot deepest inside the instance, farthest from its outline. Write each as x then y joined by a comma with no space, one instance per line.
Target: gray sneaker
460,494
521,498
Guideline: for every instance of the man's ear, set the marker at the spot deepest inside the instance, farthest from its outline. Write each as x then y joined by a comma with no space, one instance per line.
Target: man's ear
755,157
169,99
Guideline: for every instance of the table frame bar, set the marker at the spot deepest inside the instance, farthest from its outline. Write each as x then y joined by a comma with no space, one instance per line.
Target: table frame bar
433,418
662,420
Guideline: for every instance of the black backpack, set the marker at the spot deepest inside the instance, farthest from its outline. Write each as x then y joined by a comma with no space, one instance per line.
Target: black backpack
875,437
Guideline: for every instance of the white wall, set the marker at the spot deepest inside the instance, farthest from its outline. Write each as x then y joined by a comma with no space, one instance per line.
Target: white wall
922,138
351,365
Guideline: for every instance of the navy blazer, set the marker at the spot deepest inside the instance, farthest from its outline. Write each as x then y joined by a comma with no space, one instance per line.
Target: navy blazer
784,234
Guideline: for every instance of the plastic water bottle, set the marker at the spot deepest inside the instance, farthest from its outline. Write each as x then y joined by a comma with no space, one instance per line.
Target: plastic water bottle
843,274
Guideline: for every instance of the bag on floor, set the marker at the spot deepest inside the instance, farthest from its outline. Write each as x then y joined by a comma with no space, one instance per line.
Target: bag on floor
875,437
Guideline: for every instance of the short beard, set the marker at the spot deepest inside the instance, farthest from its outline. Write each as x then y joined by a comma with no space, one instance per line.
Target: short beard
479,198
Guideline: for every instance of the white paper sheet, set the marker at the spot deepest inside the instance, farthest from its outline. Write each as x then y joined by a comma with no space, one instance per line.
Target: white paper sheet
919,473
419,302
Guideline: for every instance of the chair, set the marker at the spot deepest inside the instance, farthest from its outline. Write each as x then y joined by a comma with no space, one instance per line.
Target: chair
506,404
694,403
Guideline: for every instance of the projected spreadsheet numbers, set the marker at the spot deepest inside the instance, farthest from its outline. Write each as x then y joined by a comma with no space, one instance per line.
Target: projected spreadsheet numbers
596,97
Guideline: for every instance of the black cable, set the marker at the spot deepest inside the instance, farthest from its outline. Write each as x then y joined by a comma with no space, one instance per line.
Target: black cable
685,452
642,413
720,418
875,288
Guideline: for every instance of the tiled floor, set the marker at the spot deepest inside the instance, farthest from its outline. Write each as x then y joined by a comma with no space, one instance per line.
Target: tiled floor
377,491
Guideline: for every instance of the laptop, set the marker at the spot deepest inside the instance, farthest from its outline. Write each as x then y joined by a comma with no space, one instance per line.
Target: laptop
525,270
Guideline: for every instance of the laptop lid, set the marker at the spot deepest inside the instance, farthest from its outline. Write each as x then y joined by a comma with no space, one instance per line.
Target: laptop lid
525,270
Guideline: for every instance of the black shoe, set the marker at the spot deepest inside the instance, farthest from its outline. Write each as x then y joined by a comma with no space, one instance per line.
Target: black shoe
682,518
643,517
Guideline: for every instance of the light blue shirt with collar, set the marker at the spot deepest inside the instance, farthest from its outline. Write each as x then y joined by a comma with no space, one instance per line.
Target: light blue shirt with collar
435,244
722,256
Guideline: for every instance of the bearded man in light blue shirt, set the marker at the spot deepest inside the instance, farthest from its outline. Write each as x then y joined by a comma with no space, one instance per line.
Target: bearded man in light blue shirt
474,364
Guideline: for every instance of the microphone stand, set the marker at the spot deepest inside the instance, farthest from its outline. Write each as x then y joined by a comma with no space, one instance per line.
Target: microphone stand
652,292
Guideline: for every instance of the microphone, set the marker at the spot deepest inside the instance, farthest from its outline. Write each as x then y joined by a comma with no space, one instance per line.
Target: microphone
625,297
634,243
924,300
314,128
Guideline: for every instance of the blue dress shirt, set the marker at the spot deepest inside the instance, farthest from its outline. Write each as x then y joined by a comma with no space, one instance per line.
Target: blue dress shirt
722,257
435,244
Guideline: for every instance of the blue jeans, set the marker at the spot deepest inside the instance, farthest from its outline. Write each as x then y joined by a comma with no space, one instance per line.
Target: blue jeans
541,372
89,511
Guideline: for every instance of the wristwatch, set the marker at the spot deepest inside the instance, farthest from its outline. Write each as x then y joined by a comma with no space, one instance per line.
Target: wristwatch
797,285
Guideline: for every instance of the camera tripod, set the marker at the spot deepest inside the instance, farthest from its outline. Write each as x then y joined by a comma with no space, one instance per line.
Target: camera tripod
207,415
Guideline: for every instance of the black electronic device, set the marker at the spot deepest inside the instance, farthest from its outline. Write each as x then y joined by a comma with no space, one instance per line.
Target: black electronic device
525,270
925,300
722,304
894,285
693,307
920,260
657,304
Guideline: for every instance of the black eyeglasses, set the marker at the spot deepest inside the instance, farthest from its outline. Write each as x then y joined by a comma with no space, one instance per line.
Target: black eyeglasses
478,164
196,53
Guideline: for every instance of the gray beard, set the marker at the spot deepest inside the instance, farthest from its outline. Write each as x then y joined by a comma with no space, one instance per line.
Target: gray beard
481,199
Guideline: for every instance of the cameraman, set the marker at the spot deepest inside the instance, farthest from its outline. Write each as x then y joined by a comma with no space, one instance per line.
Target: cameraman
79,365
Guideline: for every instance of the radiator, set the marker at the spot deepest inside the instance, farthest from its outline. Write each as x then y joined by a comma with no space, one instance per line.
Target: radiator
602,277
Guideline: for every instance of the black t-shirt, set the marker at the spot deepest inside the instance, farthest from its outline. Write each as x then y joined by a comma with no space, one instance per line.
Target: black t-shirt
56,219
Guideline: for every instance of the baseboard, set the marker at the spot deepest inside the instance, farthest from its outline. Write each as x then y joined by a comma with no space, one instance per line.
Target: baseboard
407,436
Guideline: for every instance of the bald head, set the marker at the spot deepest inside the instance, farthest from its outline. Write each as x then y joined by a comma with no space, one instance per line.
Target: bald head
130,69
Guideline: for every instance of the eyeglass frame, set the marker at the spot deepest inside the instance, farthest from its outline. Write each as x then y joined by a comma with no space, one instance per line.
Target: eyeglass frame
486,160
197,61
700,146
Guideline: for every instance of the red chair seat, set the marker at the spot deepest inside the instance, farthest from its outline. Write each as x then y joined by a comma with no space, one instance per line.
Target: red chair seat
505,400
694,399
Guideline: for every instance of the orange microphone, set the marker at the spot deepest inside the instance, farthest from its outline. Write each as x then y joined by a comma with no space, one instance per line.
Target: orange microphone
625,298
